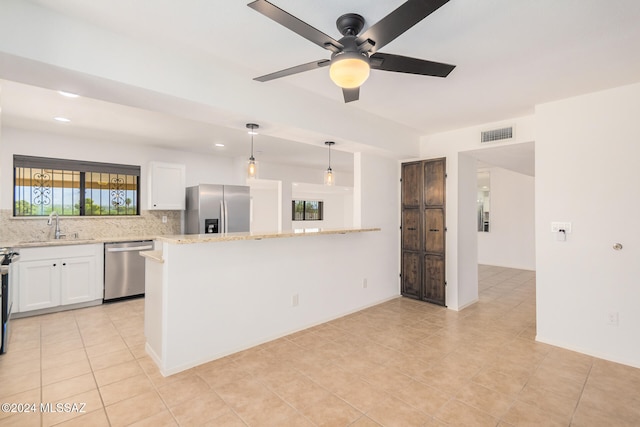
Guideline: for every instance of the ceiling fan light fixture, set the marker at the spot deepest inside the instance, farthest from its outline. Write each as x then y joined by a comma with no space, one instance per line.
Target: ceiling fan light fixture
349,70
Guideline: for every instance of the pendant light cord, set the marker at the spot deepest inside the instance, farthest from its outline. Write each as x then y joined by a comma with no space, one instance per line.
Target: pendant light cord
252,158
329,144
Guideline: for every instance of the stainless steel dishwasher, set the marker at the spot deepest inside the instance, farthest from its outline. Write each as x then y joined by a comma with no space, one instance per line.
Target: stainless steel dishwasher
124,269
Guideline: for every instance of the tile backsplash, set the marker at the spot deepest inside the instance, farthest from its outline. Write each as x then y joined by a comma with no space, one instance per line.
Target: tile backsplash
149,223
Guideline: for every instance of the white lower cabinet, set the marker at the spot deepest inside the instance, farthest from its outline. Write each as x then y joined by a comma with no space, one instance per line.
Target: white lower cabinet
57,276
39,285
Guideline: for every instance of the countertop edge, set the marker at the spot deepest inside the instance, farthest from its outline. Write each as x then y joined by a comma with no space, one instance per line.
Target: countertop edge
79,241
229,237
155,256
186,238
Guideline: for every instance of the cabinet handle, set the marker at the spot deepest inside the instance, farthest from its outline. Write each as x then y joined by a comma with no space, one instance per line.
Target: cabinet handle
54,265
64,263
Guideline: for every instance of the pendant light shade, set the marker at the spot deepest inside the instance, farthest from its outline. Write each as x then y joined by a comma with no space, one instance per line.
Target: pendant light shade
252,168
329,177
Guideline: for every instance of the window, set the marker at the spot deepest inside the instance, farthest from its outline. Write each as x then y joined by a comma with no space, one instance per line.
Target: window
306,210
70,187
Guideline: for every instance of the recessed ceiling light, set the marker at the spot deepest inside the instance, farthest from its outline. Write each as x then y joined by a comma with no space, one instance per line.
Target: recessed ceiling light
62,119
68,94
217,144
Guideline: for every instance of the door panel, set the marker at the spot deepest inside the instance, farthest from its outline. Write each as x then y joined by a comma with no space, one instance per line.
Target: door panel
237,208
434,231
434,286
434,176
411,275
411,229
411,188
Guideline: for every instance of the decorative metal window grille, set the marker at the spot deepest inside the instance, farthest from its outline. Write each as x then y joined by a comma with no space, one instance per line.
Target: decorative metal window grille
70,187
307,210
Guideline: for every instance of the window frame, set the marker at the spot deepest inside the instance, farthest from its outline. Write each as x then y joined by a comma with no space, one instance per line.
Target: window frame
83,168
304,210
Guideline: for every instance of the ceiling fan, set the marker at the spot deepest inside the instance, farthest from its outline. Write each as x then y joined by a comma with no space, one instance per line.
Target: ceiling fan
355,54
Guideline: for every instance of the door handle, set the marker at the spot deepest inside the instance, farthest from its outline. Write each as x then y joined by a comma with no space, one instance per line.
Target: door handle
411,229
433,229
130,249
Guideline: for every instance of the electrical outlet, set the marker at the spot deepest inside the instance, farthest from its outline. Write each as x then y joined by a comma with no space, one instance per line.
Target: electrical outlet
364,283
294,300
164,219
613,318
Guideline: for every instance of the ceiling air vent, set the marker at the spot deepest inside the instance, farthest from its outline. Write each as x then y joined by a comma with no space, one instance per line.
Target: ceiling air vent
496,134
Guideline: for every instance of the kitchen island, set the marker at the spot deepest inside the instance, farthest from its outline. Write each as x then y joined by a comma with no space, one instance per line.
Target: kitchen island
208,296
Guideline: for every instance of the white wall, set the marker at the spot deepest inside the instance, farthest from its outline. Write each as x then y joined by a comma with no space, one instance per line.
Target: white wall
510,241
377,204
337,206
289,175
200,168
461,244
266,204
465,226
587,157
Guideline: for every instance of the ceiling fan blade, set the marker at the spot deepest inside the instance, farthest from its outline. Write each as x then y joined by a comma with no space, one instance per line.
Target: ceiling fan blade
400,20
294,70
296,25
351,94
405,64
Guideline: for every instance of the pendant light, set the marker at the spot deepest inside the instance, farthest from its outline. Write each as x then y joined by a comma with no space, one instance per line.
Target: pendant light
329,178
252,168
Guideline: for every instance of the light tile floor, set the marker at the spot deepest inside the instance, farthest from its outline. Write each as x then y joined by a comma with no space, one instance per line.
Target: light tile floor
401,363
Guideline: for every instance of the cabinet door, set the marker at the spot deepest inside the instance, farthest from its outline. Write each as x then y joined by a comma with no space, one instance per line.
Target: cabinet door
434,286
434,182
434,231
166,186
411,274
39,284
77,280
411,229
411,184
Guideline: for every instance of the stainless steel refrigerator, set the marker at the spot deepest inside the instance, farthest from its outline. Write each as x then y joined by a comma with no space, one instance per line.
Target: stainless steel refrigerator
212,208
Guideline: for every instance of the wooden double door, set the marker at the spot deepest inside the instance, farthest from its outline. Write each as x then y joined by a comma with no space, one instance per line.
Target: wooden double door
423,230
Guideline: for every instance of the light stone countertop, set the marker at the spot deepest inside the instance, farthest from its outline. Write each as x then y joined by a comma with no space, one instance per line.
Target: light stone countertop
186,238
227,237
72,241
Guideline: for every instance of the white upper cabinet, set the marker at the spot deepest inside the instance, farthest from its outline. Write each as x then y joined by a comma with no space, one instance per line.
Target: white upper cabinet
166,186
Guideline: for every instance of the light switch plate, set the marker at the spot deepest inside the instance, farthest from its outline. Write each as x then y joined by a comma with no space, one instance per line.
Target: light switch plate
557,226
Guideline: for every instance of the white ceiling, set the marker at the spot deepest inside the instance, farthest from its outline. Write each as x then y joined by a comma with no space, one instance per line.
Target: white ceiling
510,56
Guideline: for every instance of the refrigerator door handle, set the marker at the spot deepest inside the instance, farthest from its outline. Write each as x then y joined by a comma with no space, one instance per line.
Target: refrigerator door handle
226,217
223,218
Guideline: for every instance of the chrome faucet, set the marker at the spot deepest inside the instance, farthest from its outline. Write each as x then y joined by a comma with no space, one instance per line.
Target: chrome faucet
57,233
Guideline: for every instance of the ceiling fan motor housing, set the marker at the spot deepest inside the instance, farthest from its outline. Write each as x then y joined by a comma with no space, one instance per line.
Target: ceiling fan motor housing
350,24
